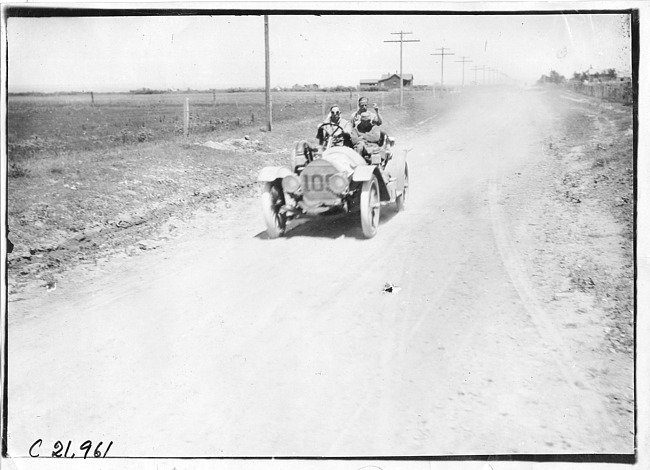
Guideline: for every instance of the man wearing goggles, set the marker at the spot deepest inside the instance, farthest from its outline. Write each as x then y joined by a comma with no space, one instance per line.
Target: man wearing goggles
335,132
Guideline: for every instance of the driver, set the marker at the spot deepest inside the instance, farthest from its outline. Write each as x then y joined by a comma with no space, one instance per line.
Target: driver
336,128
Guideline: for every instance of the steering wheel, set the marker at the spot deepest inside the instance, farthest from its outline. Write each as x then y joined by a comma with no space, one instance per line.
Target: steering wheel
333,134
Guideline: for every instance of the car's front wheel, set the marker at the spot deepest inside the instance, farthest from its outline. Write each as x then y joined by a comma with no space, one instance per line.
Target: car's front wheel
370,206
272,201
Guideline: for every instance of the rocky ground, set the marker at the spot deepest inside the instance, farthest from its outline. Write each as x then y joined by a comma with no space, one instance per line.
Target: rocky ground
579,235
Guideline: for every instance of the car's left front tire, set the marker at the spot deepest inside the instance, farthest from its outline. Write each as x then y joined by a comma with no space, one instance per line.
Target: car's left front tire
272,201
370,207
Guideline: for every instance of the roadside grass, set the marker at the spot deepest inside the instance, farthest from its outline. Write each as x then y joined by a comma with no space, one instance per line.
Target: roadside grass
38,124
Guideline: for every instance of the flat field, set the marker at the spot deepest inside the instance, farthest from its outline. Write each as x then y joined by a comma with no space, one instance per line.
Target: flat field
59,123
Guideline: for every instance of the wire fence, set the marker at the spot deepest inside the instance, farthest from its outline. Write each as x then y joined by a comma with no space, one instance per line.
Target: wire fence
620,92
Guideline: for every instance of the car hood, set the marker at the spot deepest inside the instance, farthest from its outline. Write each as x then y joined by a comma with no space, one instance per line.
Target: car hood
344,159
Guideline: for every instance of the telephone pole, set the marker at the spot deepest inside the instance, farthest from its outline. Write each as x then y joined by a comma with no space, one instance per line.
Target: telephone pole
475,69
442,64
401,76
490,75
483,67
269,113
463,61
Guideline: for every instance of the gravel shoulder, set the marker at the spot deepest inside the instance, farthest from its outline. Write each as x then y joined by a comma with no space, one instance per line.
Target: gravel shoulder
576,235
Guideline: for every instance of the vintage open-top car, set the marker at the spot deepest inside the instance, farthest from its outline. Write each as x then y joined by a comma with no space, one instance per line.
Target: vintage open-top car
334,179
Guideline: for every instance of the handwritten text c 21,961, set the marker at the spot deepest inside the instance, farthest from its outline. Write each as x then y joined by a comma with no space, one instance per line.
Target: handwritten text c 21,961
58,450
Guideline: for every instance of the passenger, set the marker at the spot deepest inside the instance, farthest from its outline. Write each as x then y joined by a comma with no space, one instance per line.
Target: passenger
336,128
366,137
363,108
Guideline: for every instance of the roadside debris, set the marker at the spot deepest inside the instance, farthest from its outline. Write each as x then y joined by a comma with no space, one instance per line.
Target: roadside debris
244,144
149,244
390,288
50,286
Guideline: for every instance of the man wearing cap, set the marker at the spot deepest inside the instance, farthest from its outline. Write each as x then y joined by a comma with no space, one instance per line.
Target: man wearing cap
365,136
335,127
363,108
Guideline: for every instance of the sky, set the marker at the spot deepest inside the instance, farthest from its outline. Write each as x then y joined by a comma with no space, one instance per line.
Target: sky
105,54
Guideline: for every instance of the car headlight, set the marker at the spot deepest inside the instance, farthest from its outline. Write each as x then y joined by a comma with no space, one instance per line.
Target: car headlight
291,184
338,183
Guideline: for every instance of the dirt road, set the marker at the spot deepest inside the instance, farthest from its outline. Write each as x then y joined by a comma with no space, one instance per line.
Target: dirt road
225,343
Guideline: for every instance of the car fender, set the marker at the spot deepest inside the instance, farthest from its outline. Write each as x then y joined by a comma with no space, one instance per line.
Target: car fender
365,173
397,167
272,173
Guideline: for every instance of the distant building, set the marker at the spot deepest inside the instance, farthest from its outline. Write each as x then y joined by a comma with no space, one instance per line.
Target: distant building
368,84
392,80
386,82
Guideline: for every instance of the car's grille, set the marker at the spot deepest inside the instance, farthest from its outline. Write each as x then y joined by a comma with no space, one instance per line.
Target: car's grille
315,183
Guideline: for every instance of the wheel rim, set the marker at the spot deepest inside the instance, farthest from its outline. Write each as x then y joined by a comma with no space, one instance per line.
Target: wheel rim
273,200
406,186
374,205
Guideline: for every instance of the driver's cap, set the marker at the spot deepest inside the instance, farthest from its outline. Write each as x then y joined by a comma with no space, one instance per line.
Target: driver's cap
366,116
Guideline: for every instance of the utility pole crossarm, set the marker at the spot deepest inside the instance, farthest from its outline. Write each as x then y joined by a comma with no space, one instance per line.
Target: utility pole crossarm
401,37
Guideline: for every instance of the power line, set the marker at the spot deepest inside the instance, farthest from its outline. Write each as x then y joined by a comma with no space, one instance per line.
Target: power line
442,64
401,76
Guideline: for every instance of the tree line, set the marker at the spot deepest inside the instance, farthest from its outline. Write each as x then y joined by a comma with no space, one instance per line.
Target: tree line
555,77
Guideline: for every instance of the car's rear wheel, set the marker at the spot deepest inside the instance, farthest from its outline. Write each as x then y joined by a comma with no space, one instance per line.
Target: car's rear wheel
401,199
370,206
272,201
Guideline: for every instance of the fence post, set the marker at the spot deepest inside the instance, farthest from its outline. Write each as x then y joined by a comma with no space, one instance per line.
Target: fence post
186,120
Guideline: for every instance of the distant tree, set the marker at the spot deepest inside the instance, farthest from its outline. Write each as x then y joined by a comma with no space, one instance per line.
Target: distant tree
610,74
556,77
606,75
